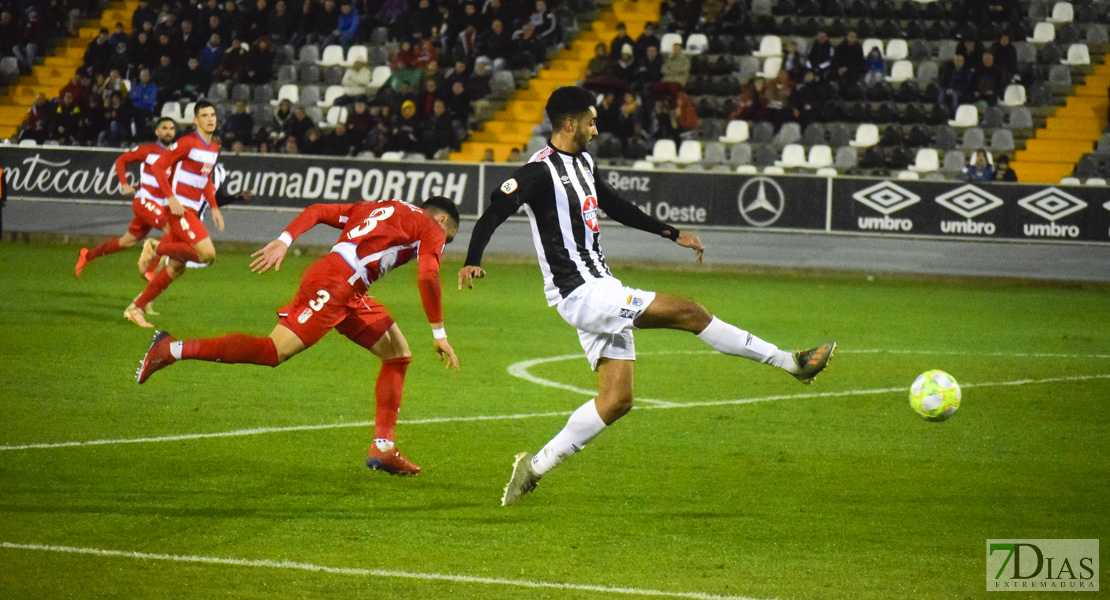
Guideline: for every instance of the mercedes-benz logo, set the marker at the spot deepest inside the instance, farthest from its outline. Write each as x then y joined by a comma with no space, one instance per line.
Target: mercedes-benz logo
761,201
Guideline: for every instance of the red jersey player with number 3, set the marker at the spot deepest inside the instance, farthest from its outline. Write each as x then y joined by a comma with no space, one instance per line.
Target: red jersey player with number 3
377,238
182,173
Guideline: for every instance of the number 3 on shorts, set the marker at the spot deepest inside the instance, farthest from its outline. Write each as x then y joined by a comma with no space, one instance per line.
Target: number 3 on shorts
322,298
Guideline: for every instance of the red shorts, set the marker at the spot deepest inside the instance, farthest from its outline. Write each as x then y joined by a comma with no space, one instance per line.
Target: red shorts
148,215
187,228
325,301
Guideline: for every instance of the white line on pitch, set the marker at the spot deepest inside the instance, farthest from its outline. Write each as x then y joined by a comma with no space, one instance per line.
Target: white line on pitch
299,566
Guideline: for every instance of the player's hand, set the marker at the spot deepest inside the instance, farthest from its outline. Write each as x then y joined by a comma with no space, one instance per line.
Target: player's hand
445,352
691,241
175,207
217,218
270,256
127,190
468,274
246,195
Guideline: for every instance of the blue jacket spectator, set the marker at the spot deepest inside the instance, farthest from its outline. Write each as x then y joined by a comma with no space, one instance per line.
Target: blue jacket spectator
211,54
348,25
144,94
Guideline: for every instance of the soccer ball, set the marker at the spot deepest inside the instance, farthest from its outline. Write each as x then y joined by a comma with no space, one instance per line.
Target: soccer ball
935,395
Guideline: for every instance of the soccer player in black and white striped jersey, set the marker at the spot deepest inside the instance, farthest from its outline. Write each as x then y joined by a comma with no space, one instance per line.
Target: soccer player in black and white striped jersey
561,192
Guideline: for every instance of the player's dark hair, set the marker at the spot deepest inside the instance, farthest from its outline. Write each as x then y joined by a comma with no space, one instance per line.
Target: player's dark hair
159,122
202,104
568,102
443,205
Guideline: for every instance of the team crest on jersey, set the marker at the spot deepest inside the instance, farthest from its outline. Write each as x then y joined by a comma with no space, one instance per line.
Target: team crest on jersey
509,186
635,301
589,213
306,315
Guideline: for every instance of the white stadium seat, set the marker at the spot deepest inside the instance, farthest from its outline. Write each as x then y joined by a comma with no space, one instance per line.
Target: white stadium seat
689,152
896,50
664,151
1043,33
793,155
333,55
966,116
1014,96
736,132
820,157
1062,12
867,135
901,71
1078,54
770,45
927,161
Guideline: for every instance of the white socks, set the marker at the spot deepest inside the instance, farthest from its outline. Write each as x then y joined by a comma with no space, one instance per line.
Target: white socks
175,349
729,339
383,445
584,425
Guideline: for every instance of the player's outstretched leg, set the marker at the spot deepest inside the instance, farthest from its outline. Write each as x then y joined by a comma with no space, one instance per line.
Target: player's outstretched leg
813,361
157,356
383,454
82,261
137,315
148,257
523,480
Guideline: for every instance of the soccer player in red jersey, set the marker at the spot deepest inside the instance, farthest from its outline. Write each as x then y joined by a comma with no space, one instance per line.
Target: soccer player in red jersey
376,238
149,204
182,173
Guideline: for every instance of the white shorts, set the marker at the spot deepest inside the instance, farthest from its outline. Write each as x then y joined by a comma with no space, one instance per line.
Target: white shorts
603,311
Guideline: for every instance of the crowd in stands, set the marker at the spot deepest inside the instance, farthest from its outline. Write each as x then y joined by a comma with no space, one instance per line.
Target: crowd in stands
444,53
26,28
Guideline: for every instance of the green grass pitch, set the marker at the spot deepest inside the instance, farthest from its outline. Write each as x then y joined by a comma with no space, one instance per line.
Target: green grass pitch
836,490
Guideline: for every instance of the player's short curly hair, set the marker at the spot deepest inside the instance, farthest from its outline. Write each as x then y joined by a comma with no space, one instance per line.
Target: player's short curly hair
566,103
443,205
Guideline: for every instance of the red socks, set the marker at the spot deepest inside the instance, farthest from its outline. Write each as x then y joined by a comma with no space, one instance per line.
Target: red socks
387,392
233,348
157,285
109,247
180,250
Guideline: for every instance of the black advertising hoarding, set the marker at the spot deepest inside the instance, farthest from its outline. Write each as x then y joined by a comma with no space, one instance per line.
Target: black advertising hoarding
964,210
714,199
275,180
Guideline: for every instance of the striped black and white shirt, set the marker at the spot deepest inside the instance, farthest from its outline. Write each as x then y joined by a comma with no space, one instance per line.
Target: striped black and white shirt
561,194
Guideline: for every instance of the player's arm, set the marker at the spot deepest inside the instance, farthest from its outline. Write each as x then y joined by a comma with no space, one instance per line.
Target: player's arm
161,169
132,155
210,197
529,181
431,292
274,253
630,215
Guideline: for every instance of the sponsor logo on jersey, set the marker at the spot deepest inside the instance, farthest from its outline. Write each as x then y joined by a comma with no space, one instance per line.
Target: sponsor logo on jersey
509,186
589,213
306,315
565,179
761,201
886,198
627,313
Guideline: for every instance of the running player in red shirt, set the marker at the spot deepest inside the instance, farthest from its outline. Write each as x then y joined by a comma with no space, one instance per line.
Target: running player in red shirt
149,204
182,173
377,237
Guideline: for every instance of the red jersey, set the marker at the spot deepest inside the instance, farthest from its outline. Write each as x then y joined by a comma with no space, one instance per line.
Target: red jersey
192,161
145,155
379,237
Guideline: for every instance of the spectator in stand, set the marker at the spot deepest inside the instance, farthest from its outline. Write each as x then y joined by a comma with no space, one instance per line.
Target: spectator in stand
608,113
479,83
648,69
212,54
972,53
167,79
686,14
28,42
426,100
280,122
987,82
260,61
9,30
647,39
617,45
119,117
405,135
807,98
66,120
487,155
306,24
121,58
437,133
601,65
167,25
282,24
194,81
733,18
459,106
431,71
381,136
239,126
423,20
954,81
165,47
793,62
1005,56
874,68
750,105
144,96
118,35
299,124
495,9
404,58
141,54
458,73
233,66
38,120
313,142
547,27
628,116
327,26
356,81
676,67
256,21
848,61
980,168
216,25
232,17
515,156
625,67
116,84
496,45
188,40
92,121
777,96
347,27
77,86
820,54
342,142
1002,11
528,51
425,53
1002,170
142,14
291,146
98,54
466,43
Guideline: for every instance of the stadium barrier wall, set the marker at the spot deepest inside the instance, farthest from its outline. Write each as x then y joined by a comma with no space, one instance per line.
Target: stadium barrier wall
795,203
